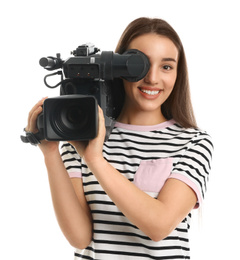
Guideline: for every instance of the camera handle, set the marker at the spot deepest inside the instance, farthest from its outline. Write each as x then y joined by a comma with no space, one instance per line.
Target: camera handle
32,138
109,124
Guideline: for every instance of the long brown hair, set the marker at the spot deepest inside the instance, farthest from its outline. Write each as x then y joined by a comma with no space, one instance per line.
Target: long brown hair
178,106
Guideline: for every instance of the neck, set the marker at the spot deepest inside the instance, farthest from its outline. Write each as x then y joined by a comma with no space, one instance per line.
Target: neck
141,117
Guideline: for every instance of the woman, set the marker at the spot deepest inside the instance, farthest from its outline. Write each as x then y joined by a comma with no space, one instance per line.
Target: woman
131,197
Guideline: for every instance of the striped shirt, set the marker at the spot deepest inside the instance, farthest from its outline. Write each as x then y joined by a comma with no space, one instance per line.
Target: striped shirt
146,156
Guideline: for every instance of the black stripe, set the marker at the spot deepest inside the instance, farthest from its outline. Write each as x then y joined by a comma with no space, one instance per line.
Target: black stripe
203,155
206,148
174,257
141,136
106,212
123,163
144,147
114,223
131,244
84,174
120,233
176,133
130,234
94,192
181,170
71,160
68,152
90,183
146,143
83,256
144,152
183,230
67,145
101,202
135,254
197,161
73,167
195,169
177,238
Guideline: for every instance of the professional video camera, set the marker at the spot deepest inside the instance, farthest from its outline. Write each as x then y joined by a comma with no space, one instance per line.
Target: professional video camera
88,82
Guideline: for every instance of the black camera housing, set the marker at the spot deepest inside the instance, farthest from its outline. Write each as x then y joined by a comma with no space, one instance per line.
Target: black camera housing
88,83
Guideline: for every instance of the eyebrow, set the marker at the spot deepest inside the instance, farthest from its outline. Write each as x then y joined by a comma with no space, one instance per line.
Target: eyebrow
169,59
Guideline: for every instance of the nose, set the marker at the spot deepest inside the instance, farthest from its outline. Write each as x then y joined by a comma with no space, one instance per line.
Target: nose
152,76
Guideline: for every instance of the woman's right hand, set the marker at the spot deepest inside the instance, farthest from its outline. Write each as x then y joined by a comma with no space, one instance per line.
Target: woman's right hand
45,146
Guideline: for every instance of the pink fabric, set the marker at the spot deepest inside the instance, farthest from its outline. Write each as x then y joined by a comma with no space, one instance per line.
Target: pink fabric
145,128
75,174
152,174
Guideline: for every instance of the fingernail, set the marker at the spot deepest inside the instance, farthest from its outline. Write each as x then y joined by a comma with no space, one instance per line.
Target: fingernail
42,99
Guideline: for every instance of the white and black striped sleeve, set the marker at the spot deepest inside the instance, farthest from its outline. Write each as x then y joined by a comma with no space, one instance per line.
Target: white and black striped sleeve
71,160
194,165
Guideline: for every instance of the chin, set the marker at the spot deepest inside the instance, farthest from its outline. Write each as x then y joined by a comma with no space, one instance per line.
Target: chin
150,108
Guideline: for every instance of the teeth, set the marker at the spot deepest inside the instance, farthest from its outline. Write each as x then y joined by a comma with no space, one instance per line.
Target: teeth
150,92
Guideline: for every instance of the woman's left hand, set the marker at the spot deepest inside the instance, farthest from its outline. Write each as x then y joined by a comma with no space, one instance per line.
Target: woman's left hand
92,150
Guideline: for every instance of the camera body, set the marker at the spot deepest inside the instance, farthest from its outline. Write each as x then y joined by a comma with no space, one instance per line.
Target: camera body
88,82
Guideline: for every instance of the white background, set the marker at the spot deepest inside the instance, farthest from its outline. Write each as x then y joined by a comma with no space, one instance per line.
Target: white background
32,29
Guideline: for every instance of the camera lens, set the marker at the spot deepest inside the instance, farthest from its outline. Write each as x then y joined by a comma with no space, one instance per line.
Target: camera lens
72,118
75,116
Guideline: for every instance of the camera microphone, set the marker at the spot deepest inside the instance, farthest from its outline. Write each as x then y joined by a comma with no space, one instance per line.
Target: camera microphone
51,63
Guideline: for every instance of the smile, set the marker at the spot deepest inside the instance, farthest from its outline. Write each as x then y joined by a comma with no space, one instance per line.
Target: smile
150,92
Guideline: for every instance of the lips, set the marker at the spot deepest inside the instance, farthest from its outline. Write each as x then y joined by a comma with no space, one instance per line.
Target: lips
150,93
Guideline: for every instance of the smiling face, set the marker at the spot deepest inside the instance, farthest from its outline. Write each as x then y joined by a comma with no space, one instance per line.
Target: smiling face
144,98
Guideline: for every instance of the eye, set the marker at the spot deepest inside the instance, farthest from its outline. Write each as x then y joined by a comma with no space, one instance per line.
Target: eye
167,67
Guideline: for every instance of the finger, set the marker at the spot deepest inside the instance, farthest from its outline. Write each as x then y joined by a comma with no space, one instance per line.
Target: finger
38,104
36,107
100,113
101,122
33,121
